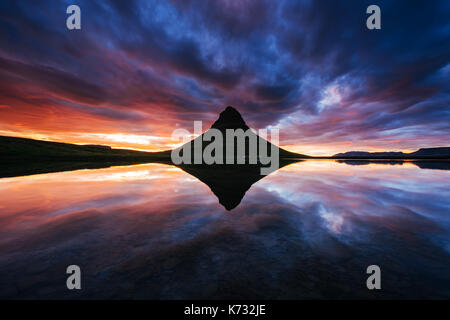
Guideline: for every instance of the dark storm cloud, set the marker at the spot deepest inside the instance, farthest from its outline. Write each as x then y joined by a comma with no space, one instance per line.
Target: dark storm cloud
276,61
273,93
53,80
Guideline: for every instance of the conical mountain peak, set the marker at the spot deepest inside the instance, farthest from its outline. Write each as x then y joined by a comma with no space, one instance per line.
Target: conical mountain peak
230,118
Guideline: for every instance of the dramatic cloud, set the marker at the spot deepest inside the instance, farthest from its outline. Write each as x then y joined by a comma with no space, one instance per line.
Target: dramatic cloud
143,68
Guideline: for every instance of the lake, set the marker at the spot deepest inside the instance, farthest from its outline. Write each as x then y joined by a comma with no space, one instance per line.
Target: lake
154,231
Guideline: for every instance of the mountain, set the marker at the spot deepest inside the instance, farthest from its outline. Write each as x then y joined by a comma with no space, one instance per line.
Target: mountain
423,153
230,118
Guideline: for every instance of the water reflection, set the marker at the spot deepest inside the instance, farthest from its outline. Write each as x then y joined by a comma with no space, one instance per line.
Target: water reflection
423,164
154,231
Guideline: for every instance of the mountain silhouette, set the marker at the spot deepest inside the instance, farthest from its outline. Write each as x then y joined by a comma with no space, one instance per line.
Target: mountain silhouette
230,118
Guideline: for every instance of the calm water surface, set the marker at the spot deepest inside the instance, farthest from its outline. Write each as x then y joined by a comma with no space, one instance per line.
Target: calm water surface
153,231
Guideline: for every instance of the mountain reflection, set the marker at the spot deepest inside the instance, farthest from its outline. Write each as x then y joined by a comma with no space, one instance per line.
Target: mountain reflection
228,182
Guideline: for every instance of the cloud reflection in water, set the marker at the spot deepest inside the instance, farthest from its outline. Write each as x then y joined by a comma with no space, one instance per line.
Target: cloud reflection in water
308,230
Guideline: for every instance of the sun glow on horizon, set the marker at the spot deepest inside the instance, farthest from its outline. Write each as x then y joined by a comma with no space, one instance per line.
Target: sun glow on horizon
154,143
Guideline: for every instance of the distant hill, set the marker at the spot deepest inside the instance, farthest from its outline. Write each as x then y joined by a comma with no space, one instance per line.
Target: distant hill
423,153
360,154
14,149
432,152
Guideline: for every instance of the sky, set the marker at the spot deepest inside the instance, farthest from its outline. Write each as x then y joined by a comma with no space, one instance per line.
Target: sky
139,69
